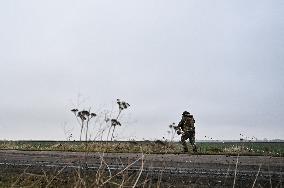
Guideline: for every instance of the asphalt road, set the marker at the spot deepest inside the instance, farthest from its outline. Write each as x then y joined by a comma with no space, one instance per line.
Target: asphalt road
178,169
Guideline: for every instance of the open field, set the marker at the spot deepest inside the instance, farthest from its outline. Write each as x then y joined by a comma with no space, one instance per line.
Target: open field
77,169
158,147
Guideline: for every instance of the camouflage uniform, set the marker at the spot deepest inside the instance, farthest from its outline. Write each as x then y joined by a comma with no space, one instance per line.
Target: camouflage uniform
188,130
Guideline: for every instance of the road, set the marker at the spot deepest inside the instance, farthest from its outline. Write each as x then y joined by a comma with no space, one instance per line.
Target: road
180,170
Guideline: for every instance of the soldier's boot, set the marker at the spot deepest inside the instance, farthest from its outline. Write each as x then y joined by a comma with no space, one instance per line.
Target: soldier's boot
194,148
185,148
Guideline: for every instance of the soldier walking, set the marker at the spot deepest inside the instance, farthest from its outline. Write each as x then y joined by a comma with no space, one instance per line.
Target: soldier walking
186,125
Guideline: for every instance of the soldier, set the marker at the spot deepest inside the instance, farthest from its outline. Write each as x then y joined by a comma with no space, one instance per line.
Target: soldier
188,130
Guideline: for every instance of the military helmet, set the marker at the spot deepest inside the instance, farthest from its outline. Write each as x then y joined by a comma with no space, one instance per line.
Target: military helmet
185,113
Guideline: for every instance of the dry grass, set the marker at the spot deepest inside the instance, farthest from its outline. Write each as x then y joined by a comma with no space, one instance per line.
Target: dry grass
158,146
82,177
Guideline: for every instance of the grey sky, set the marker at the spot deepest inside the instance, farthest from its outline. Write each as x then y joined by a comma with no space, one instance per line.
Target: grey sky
221,60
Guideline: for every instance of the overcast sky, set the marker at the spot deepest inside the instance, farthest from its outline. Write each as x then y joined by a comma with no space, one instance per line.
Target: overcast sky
221,60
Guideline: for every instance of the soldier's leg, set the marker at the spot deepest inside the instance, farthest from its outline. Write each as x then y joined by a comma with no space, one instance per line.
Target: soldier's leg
184,137
192,140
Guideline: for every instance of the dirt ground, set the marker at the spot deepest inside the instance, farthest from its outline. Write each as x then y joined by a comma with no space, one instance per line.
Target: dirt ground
167,170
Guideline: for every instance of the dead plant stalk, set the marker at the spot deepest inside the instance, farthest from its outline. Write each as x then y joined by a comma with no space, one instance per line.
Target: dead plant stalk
127,167
235,176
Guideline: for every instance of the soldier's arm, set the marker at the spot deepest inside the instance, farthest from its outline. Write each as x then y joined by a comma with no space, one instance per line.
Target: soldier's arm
180,124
